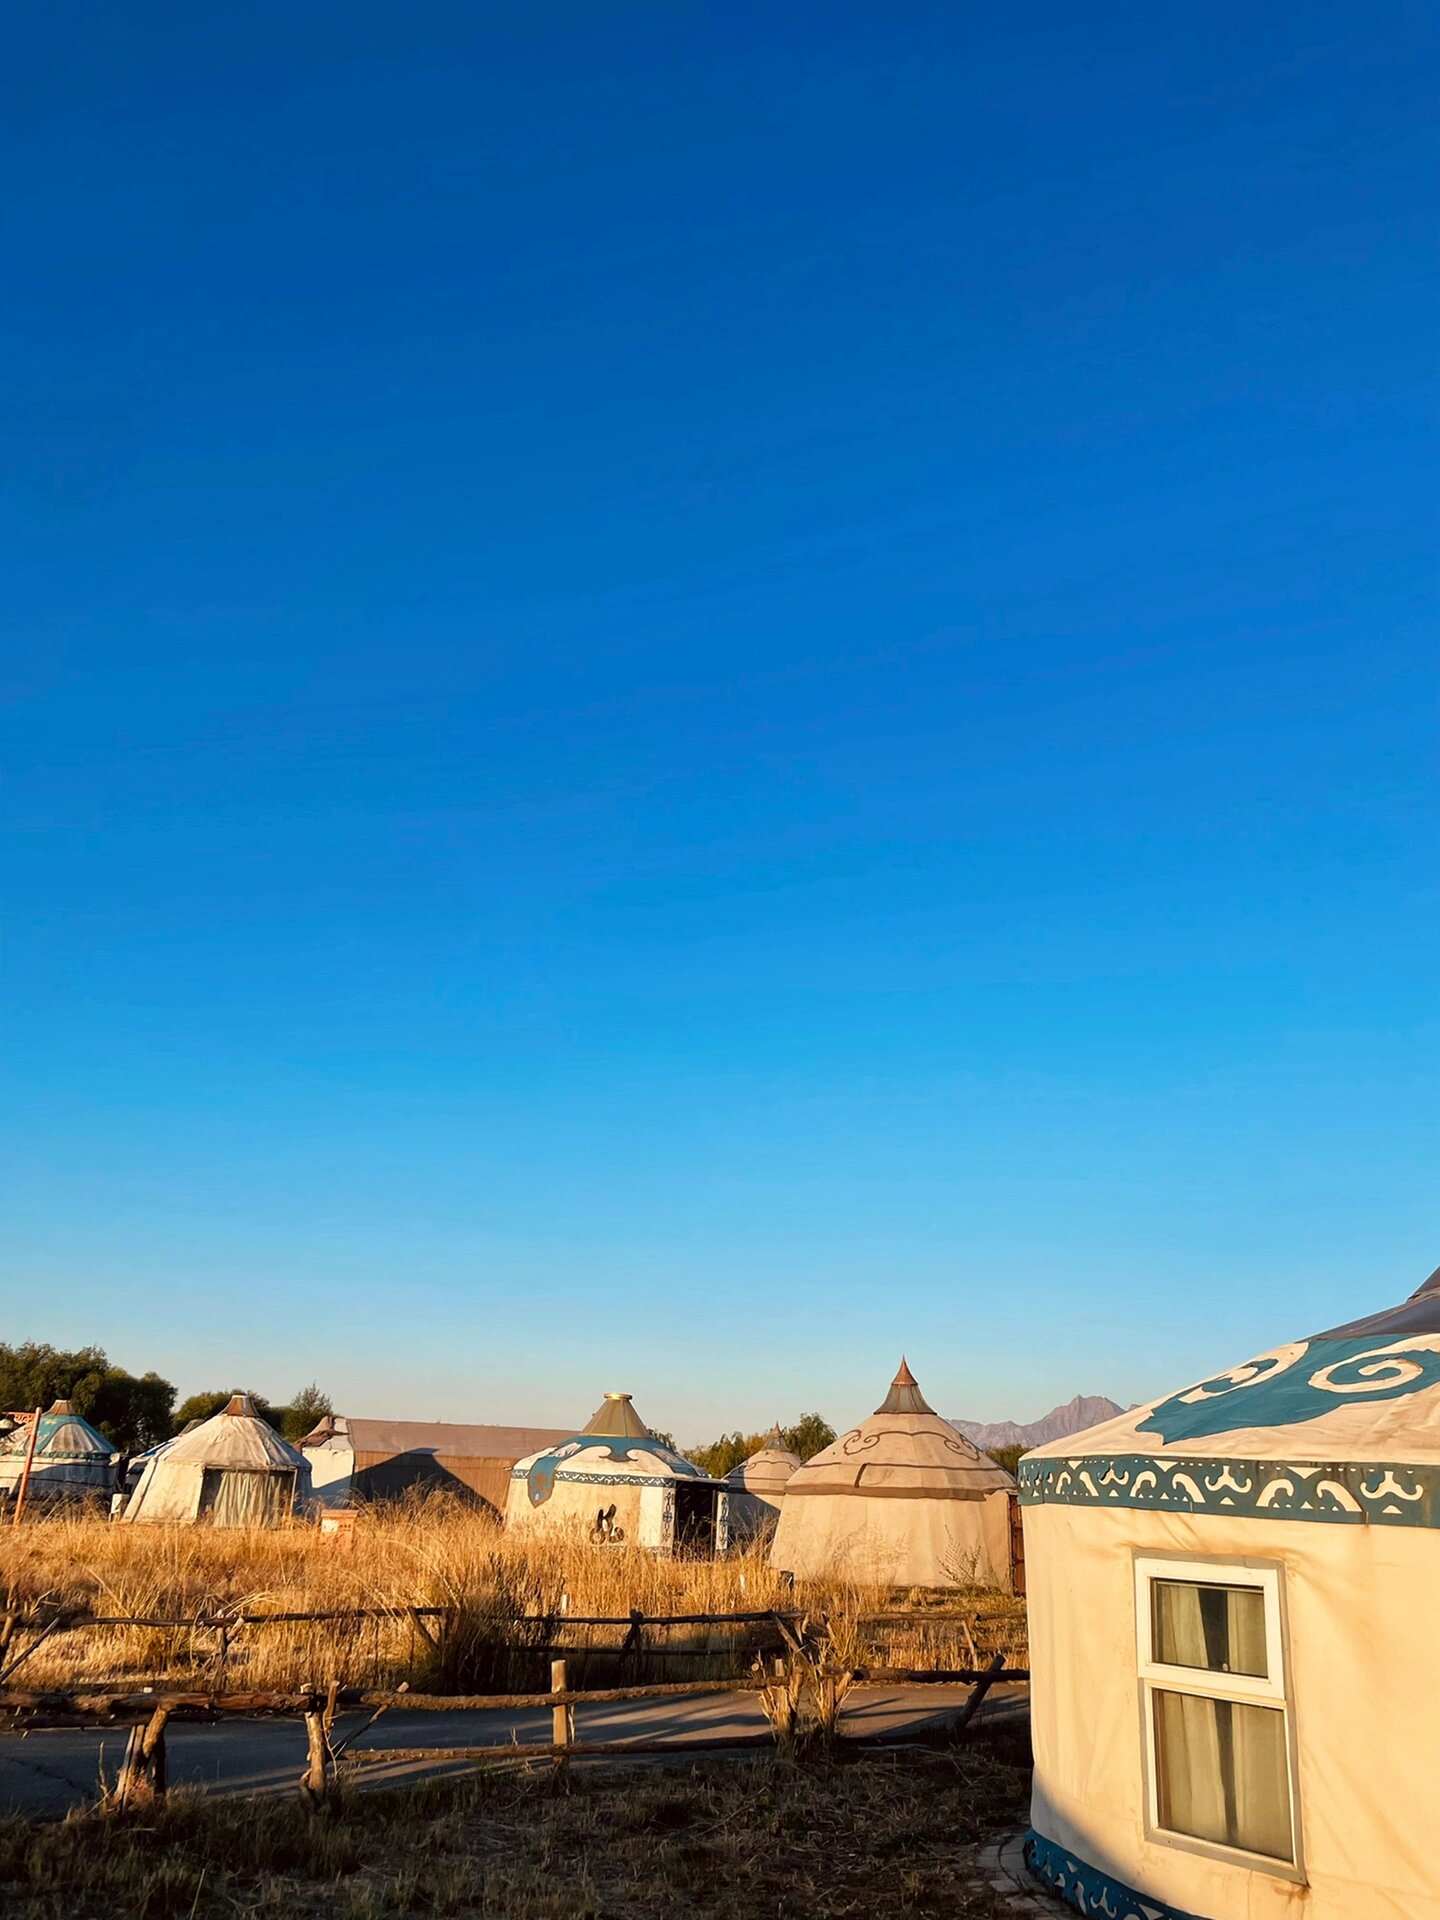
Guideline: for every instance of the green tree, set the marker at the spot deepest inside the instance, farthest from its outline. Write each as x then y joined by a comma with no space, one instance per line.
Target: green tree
811,1433
1007,1457
306,1410
130,1413
203,1406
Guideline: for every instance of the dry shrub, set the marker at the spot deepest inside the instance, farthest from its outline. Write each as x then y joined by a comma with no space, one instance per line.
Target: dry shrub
505,1598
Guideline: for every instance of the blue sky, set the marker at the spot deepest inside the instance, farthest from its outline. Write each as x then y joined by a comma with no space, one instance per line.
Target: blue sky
695,694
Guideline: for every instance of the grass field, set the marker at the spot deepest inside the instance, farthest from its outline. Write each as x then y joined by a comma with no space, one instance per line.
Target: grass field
507,1597
869,1838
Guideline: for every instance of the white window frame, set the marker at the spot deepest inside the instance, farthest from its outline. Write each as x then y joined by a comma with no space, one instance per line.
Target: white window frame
1271,1689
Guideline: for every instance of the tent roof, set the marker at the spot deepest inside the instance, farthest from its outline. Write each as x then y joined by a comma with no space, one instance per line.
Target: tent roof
63,1433
616,1416
457,1439
1367,1391
904,1395
237,1438
768,1469
904,1449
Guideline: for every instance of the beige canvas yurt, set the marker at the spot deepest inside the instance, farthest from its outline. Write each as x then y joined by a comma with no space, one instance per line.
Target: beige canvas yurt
1235,1670
904,1499
232,1470
757,1488
616,1481
73,1461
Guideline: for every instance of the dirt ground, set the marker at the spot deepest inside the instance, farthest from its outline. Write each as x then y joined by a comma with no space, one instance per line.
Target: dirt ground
869,1837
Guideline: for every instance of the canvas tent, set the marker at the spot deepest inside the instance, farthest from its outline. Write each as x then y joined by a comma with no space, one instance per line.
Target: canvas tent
757,1487
615,1481
73,1460
232,1470
354,1459
904,1499
1235,1669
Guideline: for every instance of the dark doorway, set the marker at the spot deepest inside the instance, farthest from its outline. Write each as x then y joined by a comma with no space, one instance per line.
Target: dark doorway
695,1520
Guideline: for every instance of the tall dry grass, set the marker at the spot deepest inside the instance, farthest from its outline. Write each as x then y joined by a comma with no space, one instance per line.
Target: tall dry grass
507,1600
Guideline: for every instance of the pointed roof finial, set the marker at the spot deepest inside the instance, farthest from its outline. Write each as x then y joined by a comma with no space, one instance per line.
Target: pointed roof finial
904,1395
775,1438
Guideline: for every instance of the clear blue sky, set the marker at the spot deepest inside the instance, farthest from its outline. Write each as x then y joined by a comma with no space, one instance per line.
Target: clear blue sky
696,693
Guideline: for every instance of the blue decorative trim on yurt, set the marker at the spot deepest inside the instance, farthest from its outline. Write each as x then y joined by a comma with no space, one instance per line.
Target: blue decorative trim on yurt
1298,1383
1089,1890
540,1476
1350,1493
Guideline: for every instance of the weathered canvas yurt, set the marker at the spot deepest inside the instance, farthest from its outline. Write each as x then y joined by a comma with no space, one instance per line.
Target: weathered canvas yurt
904,1499
1236,1672
356,1460
757,1487
73,1460
616,1481
232,1470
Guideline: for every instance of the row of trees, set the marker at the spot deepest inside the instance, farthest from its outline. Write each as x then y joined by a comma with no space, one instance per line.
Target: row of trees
134,1412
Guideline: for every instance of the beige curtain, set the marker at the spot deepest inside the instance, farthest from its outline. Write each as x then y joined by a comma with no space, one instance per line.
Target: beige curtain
238,1499
1221,1765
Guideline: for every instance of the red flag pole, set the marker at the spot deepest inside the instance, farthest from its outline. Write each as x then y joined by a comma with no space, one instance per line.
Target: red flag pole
25,1474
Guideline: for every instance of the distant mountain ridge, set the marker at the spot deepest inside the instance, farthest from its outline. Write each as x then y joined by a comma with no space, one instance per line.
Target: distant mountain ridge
1085,1410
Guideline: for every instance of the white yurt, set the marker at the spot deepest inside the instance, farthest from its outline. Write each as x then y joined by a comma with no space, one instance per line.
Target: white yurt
615,1481
232,1470
902,1500
73,1460
757,1488
1235,1668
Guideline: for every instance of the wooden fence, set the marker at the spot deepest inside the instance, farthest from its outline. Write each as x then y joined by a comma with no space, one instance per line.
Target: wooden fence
806,1676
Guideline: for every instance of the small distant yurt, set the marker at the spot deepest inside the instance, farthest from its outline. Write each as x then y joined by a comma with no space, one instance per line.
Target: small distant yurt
902,1500
73,1460
757,1487
232,1470
1235,1669
616,1481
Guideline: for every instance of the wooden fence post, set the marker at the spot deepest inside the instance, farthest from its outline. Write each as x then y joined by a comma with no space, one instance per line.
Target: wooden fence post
562,1719
143,1771
23,1488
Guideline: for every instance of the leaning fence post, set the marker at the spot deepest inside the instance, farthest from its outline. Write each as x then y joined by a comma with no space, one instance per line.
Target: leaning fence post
315,1781
562,1719
142,1772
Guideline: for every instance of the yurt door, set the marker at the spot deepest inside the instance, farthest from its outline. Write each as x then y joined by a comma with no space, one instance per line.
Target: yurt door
695,1520
1017,1548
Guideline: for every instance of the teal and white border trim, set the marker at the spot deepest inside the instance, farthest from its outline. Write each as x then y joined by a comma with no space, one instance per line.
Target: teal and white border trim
1349,1493
1089,1890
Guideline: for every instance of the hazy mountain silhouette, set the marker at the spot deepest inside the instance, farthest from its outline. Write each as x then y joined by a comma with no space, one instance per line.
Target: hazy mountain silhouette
1085,1410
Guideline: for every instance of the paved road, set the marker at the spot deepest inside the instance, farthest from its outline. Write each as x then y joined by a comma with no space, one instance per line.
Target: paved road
48,1771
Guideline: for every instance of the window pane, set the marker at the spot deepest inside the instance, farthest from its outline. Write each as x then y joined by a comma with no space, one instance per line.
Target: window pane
1219,1629
1221,1773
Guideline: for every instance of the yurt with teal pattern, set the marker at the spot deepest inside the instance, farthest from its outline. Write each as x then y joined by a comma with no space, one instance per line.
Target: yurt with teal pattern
1235,1670
615,1482
73,1461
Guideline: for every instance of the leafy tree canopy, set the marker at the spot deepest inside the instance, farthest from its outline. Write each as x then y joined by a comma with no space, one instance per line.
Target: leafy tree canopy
1007,1457
132,1413
306,1410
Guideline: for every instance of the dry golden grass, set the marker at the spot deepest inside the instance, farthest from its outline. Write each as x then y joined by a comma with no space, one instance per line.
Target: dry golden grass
875,1837
501,1592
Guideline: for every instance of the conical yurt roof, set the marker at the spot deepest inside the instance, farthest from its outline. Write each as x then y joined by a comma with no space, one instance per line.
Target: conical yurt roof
236,1438
1366,1392
64,1435
615,1441
767,1471
904,1447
